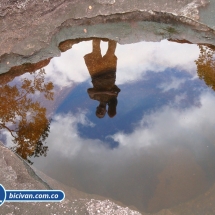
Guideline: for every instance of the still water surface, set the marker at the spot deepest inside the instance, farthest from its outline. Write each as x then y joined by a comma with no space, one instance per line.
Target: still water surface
134,123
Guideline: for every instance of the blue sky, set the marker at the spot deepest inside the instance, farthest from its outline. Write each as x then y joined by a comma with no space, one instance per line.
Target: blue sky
134,101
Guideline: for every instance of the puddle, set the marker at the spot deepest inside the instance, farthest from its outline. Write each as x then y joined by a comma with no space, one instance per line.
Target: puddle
133,123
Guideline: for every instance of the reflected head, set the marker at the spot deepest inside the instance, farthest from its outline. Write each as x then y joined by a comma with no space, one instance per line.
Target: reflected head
100,111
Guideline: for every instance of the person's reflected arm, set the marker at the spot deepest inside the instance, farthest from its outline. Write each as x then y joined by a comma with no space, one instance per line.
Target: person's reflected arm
92,92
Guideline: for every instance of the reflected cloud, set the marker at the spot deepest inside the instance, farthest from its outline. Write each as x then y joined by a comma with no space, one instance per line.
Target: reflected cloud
162,139
173,84
173,126
70,66
148,163
134,60
179,98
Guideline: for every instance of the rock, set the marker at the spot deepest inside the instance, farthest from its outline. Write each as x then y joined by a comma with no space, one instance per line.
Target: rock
105,1
19,70
32,30
16,174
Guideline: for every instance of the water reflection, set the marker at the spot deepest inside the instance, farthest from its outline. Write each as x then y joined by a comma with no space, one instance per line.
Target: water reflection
158,150
103,73
23,117
206,65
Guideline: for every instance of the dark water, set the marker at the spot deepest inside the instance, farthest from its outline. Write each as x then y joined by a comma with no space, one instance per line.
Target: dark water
151,142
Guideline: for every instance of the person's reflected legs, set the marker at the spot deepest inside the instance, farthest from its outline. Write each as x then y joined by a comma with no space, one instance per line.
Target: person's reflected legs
111,49
112,103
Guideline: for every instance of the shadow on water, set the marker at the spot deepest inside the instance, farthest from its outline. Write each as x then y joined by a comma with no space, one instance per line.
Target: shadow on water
161,177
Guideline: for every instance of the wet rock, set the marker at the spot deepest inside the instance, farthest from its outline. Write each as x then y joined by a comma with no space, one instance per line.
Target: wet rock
192,9
16,174
66,45
19,70
108,208
105,1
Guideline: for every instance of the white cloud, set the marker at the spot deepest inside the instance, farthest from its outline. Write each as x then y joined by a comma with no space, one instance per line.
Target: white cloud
173,84
64,130
169,125
133,61
8,138
70,66
167,139
179,98
164,126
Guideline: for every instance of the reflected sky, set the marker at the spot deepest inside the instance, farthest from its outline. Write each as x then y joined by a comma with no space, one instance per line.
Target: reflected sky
158,150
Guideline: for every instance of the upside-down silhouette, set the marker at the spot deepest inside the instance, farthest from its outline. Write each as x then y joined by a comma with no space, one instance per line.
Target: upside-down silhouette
103,73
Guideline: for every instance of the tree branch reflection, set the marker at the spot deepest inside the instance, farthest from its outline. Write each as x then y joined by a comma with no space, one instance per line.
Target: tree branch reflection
206,65
23,117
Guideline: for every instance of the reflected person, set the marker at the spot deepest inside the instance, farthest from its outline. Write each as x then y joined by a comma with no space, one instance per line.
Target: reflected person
103,73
